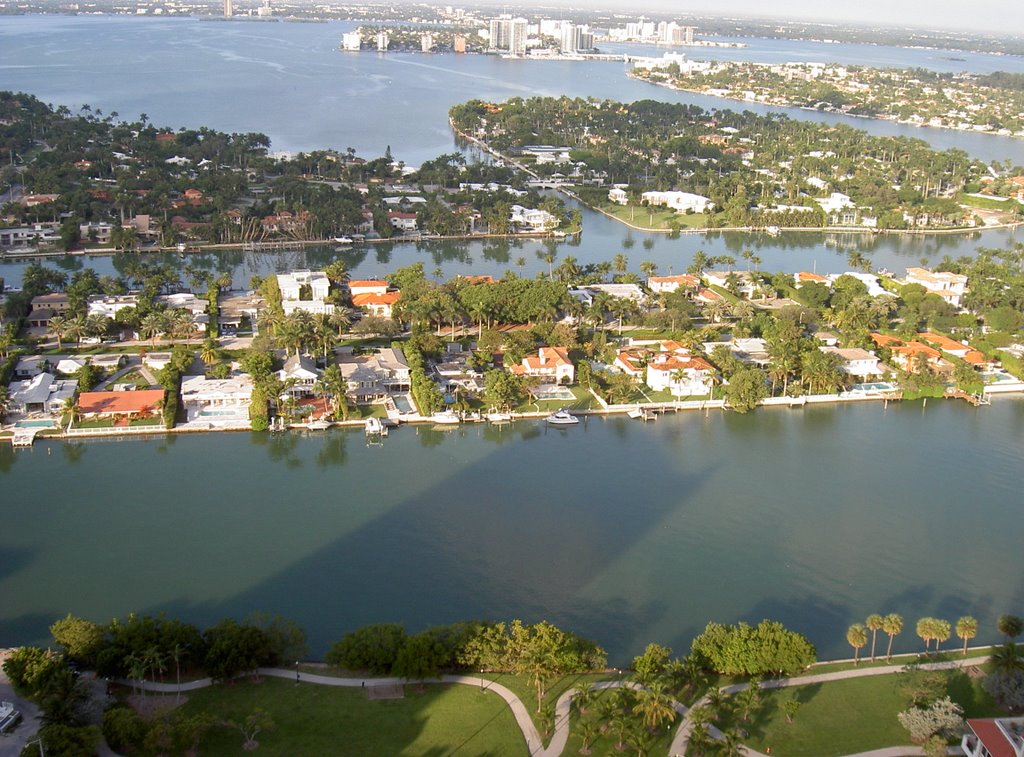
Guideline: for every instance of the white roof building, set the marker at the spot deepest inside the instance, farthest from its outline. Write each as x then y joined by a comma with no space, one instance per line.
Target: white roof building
949,286
41,394
216,399
108,306
681,202
291,286
834,202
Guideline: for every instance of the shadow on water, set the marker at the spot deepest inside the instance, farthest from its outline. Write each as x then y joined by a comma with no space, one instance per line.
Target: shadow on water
501,539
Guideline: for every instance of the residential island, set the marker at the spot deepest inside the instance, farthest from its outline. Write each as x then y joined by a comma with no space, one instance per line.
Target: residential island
990,103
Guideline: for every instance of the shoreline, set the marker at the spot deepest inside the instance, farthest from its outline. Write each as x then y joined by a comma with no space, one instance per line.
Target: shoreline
656,409
808,109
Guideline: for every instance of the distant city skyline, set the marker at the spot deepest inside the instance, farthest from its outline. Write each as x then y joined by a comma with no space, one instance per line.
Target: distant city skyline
1000,16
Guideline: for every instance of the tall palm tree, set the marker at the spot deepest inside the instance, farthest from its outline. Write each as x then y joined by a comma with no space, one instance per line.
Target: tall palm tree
892,624
942,631
75,329
654,705
152,324
967,629
58,327
588,732
873,624
857,637
209,353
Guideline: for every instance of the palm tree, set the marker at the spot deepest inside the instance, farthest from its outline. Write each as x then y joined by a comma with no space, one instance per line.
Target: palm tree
96,325
640,740
892,624
748,699
585,694
732,744
857,637
655,706
588,732
181,324
152,324
58,326
873,624
209,353
1007,658
341,320
620,263
967,629
1011,626
700,739
716,311
942,630
323,333
648,268
75,329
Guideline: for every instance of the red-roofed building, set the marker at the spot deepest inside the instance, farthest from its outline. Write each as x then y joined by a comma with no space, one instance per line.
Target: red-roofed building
377,304
478,279
806,277
140,403
166,137
707,296
906,356
681,374
549,363
667,284
367,286
402,221
994,737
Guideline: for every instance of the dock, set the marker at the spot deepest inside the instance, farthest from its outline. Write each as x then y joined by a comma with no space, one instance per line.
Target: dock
24,437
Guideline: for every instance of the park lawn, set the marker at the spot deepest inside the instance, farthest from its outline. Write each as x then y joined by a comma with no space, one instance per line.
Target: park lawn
844,717
605,743
989,203
318,720
655,217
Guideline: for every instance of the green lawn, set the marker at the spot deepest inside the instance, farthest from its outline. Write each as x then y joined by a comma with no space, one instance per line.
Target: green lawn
989,203
654,218
319,720
584,400
134,377
844,717
108,423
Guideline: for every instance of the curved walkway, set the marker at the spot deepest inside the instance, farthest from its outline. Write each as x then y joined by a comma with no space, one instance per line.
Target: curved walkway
679,743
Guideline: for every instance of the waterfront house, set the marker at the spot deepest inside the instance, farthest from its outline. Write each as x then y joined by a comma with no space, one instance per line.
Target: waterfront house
618,194
951,287
751,351
906,356
370,378
994,737
302,372
532,219
550,363
586,293
30,236
140,403
855,361
403,222
806,277
961,350
875,289
57,302
305,290
666,284
216,399
40,394
681,202
368,286
680,373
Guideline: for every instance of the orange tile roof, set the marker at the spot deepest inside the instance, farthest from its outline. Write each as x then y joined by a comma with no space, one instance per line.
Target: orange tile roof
681,279
548,357
366,283
805,276
631,360
120,403
885,340
914,348
370,298
676,363
708,294
478,279
942,342
975,358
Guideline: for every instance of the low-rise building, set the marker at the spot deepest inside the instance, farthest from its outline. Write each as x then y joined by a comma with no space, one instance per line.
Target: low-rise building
679,373
108,306
752,351
951,287
370,378
681,202
666,284
381,305
40,394
618,195
216,399
141,403
300,374
855,361
551,363
533,219
404,222
745,282
305,290
994,737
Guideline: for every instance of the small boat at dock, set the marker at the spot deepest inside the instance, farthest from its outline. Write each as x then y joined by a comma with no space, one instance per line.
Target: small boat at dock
562,418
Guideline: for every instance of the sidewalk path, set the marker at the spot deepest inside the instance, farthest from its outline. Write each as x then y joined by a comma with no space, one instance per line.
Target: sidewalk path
679,743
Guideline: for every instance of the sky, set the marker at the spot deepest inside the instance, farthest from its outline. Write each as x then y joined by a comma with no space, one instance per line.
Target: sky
1004,16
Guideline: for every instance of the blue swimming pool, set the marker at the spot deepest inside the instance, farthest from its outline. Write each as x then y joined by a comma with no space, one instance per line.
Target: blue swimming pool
42,423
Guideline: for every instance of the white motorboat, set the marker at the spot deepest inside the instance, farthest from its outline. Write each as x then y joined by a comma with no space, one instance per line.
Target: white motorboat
562,418
447,418
499,417
343,240
318,425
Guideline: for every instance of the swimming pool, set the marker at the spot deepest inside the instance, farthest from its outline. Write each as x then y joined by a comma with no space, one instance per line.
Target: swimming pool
550,392
875,386
215,413
43,423
403,403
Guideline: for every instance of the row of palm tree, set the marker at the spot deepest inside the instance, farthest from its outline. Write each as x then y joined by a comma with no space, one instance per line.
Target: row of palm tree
930,630
300,331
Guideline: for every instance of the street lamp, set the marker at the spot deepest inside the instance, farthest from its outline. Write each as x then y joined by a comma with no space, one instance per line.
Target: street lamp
296,672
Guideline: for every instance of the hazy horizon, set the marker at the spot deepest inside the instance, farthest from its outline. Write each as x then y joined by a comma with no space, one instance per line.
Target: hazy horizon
993,16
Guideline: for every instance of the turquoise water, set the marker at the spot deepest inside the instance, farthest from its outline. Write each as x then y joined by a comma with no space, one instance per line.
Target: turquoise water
36,424
626,532
878,386
214,413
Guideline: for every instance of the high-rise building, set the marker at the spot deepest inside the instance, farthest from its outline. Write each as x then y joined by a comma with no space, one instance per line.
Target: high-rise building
460,43
501,31
688,32
517,36
383,40
568,42
229,9
426,42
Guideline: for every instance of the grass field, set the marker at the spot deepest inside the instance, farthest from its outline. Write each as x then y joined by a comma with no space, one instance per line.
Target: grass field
320,720
655,218
845,717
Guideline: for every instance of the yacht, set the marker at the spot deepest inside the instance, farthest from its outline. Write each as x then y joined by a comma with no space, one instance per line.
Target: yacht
562,418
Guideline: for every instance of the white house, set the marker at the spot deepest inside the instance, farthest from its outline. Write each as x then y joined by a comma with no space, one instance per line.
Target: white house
616,291
533,218
292,285
835,202
681,202
855,361
869,280
400,221
216,400
303,374
681,374
372,377
745,283
617,194
753,351
659,284
367,286
949,286
109,306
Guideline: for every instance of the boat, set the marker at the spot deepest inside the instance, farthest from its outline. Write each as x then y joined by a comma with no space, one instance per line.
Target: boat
499,417
318,425
636,413
642,414
773,231
562,418
9,717
447,418
343,240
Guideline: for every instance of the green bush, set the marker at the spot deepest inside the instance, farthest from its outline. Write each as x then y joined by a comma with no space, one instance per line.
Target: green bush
123,728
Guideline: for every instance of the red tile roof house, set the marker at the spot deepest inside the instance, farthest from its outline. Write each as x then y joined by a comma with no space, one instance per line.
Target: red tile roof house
143,403
550,363
994,737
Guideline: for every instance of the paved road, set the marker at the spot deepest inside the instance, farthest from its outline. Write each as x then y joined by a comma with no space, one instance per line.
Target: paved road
12,743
